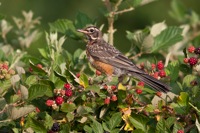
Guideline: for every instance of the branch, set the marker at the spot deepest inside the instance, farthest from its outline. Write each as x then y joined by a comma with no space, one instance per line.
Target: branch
123,11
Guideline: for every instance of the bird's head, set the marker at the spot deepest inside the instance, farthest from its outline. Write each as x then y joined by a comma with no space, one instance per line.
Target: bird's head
92,33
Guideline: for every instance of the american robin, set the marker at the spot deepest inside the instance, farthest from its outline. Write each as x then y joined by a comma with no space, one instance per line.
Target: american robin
107,59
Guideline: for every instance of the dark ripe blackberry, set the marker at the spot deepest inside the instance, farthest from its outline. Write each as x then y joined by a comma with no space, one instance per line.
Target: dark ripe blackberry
55,127
197,50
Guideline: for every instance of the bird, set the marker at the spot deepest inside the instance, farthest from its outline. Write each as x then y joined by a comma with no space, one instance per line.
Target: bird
110,61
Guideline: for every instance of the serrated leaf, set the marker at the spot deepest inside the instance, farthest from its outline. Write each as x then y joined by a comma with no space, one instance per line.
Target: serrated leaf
81,110
39,90
48,120
97,127
170,121
87,129
31,80
166,38
65,26
70,116
35,125
15,113
173,69
94,88
161,127
139,121
68,107
105,127
115,120
2,103
43,52
187,80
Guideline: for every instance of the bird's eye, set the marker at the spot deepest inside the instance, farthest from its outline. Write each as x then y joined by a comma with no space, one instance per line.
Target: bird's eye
91,30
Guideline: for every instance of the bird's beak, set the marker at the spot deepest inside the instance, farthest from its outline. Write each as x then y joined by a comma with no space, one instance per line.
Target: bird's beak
82,31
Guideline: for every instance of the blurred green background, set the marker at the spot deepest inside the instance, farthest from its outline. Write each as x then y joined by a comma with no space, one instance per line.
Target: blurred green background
51,10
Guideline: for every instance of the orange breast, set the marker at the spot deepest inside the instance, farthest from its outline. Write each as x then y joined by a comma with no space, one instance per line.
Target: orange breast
103,67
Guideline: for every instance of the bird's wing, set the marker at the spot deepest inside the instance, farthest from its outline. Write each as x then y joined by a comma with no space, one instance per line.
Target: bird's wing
110,55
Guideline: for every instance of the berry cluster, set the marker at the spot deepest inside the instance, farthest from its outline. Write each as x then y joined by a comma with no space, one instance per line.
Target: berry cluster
192,61
112,97
5,71
60,96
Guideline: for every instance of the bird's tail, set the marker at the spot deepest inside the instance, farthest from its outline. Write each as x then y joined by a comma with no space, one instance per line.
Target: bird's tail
151,82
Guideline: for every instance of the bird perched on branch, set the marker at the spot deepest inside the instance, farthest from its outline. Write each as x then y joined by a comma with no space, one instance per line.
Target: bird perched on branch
107,59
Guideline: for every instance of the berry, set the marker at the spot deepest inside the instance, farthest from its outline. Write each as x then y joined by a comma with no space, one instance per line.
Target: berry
37,109
160,65
141,84
197,50
162,73
30,69
49,102
153,66
107,100
113,98
155,75
67,86
68,92
138,91
59,100
62,92
11,71
159,94
5,66
193,61
39,66
55,127
180,131
113,87
105,87
78,75
191,49
185,60
98,73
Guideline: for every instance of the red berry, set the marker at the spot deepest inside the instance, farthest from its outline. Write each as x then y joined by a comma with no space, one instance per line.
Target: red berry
49,102
5,66
68,92
160,65
39,66
191,49
59,100
180,131
30,69
155,75
107,100
98,73
113,98
138,91
141,84
37,109
113,87
153,66
193,61
78,75
67,86
197,50
185,60
105,87
159,94
162,73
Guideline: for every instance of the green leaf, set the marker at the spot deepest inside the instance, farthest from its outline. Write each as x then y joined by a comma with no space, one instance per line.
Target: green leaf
32,79
173,69
177,126
187,80
65,128
84,80
82,20
65,26
170,121
36,69
81,110
139,121
87,129
115,120
96,127
39,90
70,116
2,103
105,127
183,99
35,125
68,107
48,120
166,38
43,52
94,88
136,2
161,127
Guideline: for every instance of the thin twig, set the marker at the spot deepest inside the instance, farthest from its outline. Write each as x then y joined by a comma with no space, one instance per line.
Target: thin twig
123,11
137,55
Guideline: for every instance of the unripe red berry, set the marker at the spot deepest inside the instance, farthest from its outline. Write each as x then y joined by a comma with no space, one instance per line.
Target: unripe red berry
162,73
153,66
113,87
138,91
39,66
5,66
159,94
155,75
193,61
98,73
185,60
68,92
160,65
11,71
67,86
197,50
37,110
180,131
49,102
141,84
107,100
191,49
113,98
78,75
59,100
